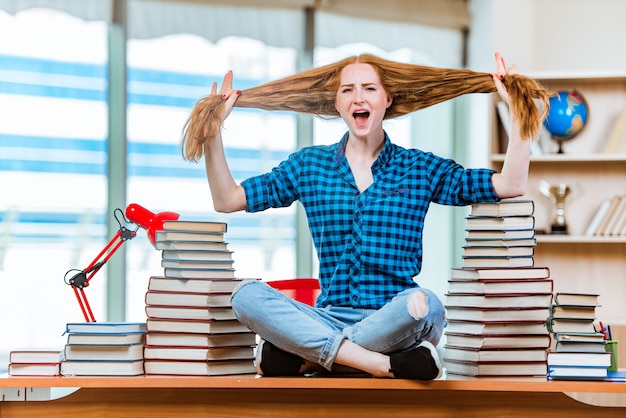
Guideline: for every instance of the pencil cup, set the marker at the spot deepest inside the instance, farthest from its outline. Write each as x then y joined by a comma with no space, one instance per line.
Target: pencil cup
611,347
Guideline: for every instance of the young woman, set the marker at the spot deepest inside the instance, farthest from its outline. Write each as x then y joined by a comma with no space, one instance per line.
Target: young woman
366,200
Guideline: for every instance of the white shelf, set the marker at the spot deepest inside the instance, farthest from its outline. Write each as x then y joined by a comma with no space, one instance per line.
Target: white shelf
580,76
569,158
578,239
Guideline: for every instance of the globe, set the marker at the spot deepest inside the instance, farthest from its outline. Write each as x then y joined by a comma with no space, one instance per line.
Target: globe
567,116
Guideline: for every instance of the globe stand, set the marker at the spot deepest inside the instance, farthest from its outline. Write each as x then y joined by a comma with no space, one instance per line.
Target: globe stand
560,143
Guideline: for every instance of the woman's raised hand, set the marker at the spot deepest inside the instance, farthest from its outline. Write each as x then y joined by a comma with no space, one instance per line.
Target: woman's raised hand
498,76
227,94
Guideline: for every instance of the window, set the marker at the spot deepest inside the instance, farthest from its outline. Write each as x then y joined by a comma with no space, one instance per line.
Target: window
52,170
53,149
164,82
54,153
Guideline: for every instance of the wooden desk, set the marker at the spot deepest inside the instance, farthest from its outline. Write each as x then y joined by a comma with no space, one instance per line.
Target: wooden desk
249,396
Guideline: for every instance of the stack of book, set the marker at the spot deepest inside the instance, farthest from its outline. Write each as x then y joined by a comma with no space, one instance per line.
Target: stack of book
498,302
500,234
191,326
104,349
579,351
35,362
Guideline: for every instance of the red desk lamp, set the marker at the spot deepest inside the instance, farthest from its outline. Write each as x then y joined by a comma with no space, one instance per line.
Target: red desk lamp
135,214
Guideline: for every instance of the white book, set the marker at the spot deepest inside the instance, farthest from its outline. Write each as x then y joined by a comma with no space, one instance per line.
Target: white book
493,262
184,312
612,223
199,368
34,369
200,265
35,355
197,255
198,353
105,327
598,217
576,372
101,368
121,338
606,221
579,359
620,219
196,285
104,352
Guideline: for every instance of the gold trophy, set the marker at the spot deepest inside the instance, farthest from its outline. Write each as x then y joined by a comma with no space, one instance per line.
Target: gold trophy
558,195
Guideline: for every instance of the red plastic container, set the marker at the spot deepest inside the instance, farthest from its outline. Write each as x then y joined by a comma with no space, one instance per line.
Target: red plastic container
304,290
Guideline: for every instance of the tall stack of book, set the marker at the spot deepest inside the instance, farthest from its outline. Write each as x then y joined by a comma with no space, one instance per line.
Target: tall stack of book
191,326
104,349
498,302
579,351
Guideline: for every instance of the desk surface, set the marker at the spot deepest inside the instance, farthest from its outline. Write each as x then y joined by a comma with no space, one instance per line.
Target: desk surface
253,382
229,396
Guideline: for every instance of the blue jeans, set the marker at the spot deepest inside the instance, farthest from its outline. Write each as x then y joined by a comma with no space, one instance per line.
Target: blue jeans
316,333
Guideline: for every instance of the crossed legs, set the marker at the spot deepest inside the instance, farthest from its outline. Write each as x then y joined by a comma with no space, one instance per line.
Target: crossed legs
397,340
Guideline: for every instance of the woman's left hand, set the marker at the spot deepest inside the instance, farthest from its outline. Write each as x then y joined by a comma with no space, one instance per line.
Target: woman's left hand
498,76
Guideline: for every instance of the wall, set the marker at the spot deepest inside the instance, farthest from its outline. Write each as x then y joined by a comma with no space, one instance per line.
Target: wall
538,36
549,35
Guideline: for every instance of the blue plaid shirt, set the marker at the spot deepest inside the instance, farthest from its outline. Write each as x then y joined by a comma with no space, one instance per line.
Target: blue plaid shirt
369,244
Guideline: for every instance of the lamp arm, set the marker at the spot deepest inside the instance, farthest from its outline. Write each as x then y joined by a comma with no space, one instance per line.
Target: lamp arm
137,215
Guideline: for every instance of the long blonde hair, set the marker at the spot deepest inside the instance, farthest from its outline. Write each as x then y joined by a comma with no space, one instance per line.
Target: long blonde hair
412,87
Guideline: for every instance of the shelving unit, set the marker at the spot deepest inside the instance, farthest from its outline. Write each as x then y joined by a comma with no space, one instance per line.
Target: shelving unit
579,262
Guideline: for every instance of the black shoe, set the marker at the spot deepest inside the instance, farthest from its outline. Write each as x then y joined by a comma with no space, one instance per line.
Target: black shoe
272,361
421,363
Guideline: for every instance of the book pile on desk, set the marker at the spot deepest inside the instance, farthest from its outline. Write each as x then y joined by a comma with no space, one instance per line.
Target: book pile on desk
191,327
35,362
103,349
500,234
579,350
497,308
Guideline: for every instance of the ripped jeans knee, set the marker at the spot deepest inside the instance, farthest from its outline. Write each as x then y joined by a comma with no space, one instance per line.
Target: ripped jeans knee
424,306
417,304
